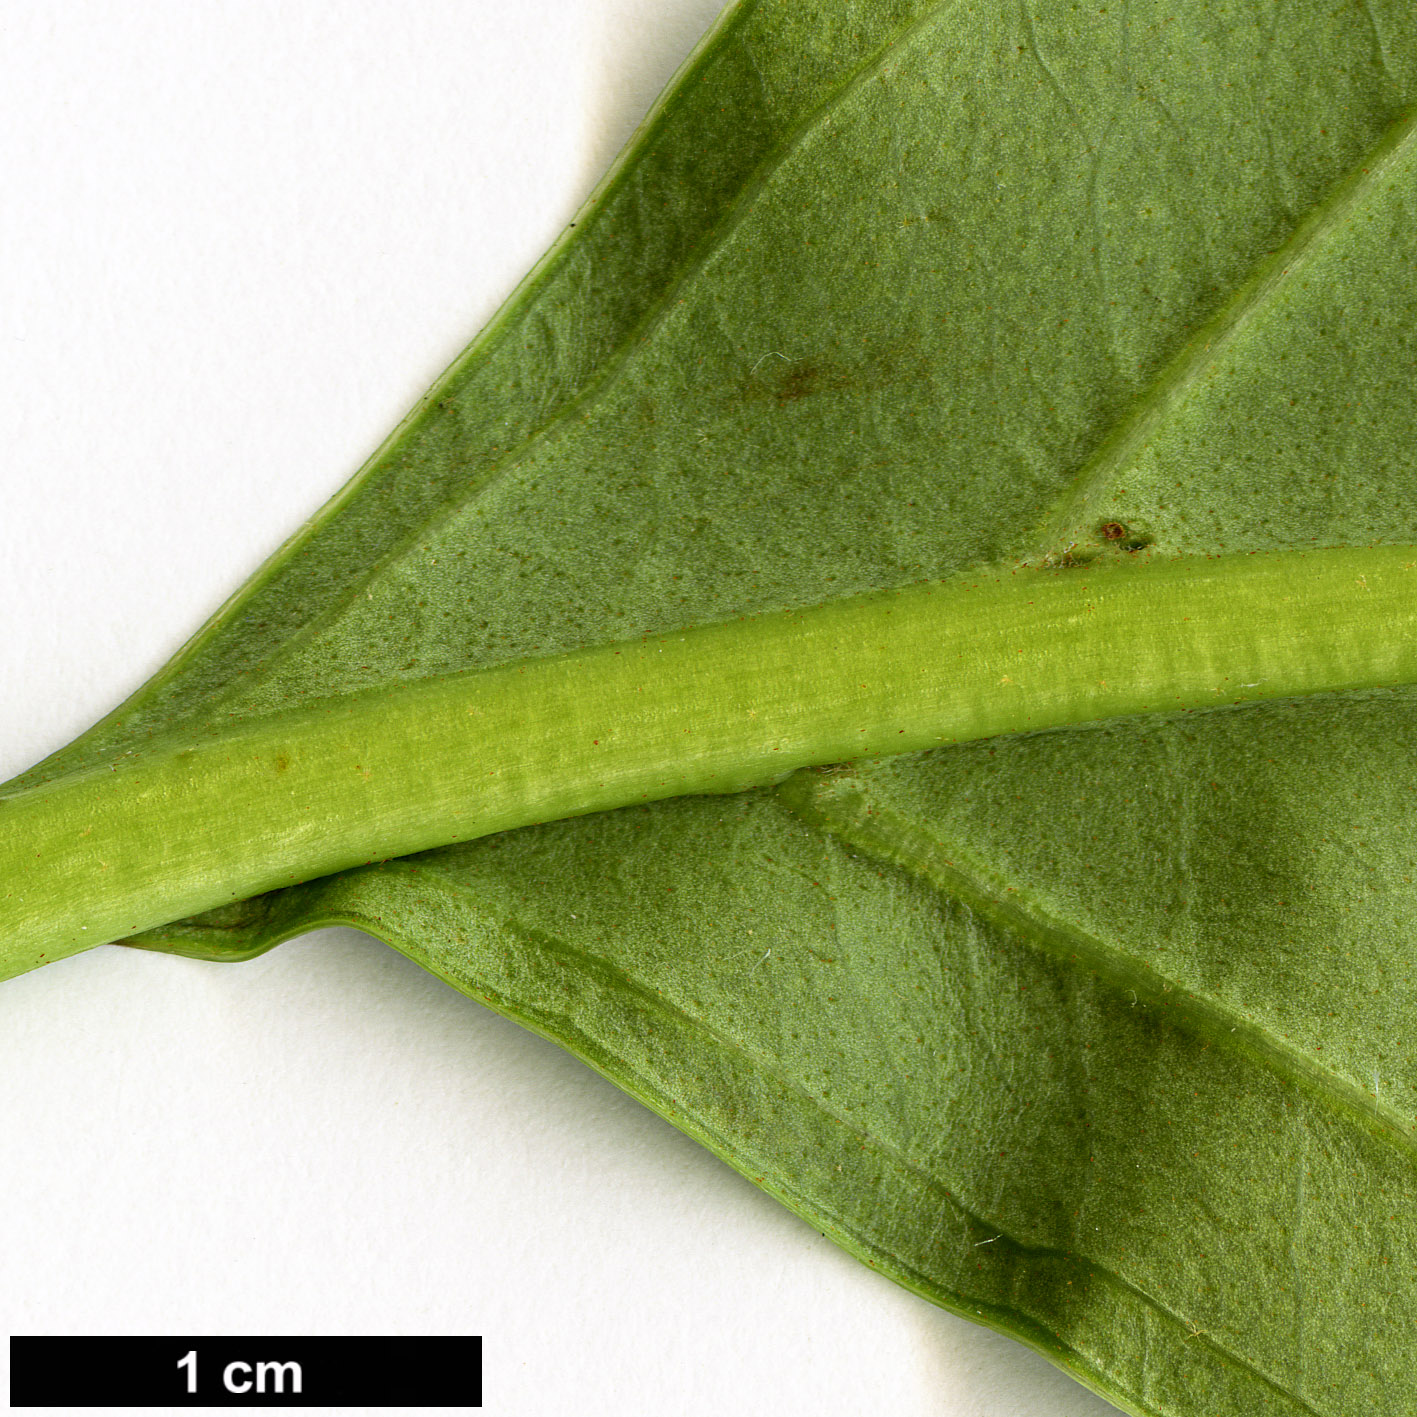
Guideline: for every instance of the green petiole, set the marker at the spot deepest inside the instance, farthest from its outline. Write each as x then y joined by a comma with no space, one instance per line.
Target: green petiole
183,826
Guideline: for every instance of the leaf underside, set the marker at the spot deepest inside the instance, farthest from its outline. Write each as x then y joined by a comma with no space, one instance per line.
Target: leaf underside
1100,1036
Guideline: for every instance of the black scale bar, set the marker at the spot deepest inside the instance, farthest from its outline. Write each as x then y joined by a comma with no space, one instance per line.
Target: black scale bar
246,1372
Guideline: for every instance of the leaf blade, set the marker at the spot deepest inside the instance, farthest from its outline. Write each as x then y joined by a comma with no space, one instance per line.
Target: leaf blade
799,381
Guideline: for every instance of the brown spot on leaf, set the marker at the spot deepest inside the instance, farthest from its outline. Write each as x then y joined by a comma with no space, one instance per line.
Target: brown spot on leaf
785,382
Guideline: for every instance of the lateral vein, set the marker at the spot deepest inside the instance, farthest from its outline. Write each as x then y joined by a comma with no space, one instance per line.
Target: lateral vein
1080,504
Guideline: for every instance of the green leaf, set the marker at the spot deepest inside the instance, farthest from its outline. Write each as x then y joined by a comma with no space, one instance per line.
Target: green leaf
1095,1034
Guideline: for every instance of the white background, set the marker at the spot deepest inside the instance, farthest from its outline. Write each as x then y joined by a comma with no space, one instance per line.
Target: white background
236,242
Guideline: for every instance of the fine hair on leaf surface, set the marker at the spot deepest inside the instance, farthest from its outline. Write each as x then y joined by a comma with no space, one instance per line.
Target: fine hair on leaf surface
1009,410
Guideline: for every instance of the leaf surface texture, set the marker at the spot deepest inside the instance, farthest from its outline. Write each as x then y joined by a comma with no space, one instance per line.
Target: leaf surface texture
1099,1035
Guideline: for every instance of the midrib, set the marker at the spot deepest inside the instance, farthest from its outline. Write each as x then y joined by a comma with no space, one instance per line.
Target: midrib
187,824
1071,518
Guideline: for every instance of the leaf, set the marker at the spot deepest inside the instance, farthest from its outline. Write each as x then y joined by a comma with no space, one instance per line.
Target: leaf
885,295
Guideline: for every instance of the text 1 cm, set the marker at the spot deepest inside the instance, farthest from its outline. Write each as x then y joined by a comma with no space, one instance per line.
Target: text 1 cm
239,1378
